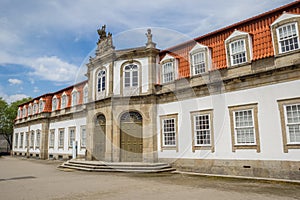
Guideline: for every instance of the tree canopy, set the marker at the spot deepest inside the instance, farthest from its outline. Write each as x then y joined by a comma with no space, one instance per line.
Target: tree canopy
8,114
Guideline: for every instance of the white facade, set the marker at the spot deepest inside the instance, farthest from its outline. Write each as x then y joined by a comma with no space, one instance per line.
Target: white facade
270,132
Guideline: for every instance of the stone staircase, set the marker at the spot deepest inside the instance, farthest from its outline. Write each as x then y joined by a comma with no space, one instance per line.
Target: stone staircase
100,166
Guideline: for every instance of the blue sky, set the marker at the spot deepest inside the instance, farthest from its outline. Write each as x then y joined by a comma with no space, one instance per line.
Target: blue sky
44,45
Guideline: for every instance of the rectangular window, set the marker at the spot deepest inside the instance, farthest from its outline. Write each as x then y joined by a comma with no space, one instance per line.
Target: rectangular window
238,52
292,113
288,37
21,144
83,137
51,138
63,101
127,79
198,60
27,140
38,139
16,139
169,134
31,139
168,74
71,136
202,130
244,127
74,98
61,136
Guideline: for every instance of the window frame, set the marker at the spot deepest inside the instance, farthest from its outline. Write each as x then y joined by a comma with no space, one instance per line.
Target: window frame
72,137
21,144
51,138
243,51
16,143
282,111
83,144
101,80
64,101
54,106
31,143
37,139
163,73
75,100
85,94
193,115
237,36
61,140
41,106
162,134
254,110
279,40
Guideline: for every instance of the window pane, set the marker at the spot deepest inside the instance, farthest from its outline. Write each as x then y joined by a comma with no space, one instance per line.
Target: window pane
288,37
169,134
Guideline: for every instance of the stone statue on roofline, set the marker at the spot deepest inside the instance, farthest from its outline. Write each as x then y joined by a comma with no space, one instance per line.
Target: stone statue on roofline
105,43
150,43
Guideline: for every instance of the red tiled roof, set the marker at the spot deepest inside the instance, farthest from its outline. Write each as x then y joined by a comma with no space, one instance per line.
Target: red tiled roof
258,27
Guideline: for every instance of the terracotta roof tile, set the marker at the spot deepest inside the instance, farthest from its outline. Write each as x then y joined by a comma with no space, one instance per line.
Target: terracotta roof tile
258,27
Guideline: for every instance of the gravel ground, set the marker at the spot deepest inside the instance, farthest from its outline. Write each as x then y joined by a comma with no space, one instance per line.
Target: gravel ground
40,179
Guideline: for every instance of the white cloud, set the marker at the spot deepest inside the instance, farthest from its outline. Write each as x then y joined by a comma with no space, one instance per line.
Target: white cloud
14,81
53,69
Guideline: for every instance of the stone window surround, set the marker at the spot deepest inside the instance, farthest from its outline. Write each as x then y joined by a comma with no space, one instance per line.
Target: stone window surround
61,146
122,79
70,145
210,147
101,94
207,59
81,128
281,104
164,117
274,28
75,92
57,102
248,45
174,64
52,131
232,109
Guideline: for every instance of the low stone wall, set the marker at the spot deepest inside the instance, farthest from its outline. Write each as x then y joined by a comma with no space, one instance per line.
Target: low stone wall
250,168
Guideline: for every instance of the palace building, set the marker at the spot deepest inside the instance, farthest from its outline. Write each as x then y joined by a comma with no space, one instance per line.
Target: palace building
227,102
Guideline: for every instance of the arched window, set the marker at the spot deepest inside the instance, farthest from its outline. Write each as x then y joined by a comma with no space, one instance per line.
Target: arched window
29,109
101,81
131,76
35,108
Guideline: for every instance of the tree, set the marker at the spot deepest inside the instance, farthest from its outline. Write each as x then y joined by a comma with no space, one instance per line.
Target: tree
8,114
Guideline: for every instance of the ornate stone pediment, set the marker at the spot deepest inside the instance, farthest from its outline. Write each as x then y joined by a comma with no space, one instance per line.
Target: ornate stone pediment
105,43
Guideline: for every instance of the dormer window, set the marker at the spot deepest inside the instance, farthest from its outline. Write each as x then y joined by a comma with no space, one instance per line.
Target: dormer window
24,111
35,108
200,59
41,106
64,100
168,69
238,48
288,37
54,103
85,93
285,32
238,52
19,113
75,97
30,109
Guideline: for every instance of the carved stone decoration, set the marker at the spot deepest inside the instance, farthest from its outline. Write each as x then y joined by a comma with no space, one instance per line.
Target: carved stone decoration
104,43
150,43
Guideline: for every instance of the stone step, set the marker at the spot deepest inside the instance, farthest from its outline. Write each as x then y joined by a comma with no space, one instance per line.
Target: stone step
99,166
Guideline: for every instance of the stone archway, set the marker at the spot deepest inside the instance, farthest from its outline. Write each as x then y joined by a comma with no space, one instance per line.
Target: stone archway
131,137
100,137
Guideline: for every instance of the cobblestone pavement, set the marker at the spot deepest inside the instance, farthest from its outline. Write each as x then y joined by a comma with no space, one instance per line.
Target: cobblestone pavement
38,179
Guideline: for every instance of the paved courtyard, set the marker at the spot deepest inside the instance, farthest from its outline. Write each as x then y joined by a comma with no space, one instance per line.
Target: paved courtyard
38,179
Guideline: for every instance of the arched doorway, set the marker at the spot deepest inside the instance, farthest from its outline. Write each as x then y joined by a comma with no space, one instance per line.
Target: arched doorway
100,137
131,129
